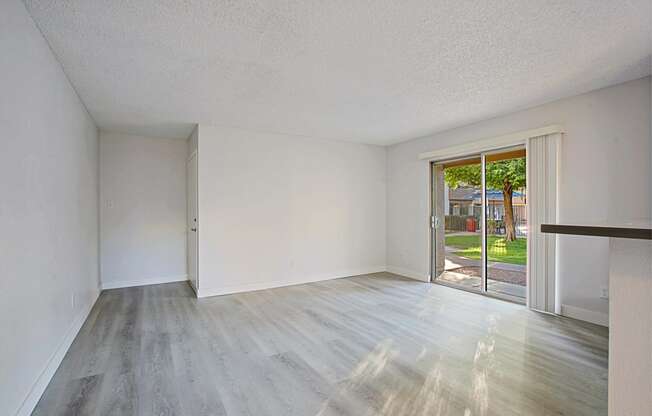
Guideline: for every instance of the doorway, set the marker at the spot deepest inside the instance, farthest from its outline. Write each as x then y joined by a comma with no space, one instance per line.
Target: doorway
479,223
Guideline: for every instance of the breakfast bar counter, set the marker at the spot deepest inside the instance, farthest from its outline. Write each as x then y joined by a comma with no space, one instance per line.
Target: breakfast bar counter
630,312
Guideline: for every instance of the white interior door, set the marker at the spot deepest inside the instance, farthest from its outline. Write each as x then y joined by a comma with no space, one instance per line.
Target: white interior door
192,223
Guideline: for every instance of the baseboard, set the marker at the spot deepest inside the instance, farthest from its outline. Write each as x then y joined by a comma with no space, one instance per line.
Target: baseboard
598,318
55,360
144,282
250,287
408,273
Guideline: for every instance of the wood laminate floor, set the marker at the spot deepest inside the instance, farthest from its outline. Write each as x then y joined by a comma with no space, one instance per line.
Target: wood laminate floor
366,345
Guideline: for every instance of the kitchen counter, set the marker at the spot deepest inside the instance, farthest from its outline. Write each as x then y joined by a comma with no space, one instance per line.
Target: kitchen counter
630,312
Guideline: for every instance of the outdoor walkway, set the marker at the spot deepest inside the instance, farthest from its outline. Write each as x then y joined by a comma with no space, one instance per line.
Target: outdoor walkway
503,278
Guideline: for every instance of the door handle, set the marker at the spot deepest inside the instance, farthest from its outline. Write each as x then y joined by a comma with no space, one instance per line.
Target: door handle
193,229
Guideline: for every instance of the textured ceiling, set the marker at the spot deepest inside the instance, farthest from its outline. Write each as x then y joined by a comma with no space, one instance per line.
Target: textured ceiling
376,71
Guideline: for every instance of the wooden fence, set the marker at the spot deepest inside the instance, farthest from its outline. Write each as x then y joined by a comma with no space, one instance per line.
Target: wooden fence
457,223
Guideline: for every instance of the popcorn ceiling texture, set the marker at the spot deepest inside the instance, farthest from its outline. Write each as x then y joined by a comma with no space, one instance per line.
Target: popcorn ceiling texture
379,72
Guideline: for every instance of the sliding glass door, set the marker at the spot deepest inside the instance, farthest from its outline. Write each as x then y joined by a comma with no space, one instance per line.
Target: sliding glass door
479,224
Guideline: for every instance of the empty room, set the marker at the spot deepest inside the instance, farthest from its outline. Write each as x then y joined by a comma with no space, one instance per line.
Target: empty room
267,207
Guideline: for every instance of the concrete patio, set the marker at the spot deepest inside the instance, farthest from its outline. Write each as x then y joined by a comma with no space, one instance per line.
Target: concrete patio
503,278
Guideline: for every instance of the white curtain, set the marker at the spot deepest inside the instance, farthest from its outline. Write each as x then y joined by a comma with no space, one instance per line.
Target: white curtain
542,188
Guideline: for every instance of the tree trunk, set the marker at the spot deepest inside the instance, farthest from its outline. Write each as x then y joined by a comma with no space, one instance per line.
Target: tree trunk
510,230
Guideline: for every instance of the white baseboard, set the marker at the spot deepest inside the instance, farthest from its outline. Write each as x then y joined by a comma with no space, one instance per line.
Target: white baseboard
143,282
55,360
250,287
594,317
408,273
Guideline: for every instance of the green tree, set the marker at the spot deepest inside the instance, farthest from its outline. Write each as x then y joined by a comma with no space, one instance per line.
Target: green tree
505,175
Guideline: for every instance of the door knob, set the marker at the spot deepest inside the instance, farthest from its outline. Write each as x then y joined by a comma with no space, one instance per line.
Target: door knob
193,229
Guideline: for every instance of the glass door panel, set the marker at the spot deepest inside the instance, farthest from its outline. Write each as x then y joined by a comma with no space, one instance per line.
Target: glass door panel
457,223
506,223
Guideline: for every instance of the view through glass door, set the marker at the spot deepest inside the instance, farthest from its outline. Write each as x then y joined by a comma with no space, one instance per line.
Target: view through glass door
479,223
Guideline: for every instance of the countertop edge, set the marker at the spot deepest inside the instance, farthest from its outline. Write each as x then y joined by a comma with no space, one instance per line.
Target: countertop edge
598,231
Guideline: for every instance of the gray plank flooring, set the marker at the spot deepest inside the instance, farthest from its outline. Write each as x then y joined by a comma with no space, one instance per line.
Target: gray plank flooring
367,345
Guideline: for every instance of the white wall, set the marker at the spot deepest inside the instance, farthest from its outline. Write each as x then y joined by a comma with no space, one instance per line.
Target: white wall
48,212
605,177
278,210
143,211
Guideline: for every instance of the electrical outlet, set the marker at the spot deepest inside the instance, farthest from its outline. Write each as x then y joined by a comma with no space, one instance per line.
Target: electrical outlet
604,292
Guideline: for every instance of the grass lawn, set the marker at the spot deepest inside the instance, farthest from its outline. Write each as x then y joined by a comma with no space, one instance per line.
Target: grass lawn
498,249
